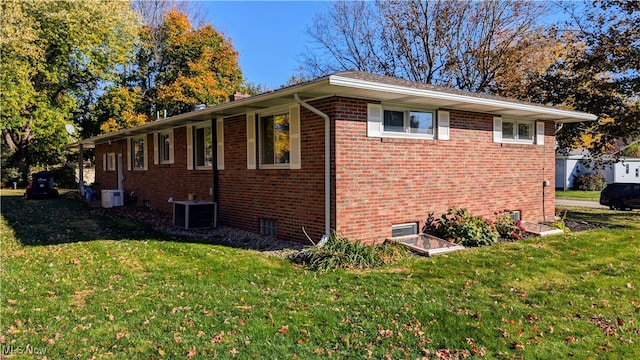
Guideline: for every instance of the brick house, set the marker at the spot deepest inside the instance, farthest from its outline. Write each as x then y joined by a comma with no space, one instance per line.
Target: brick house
354,152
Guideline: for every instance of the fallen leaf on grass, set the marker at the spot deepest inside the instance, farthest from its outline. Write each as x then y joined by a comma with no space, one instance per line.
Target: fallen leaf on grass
283,330
191,353
217,339
244,307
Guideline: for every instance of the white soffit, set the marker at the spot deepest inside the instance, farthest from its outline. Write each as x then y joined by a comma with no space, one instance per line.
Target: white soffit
465,102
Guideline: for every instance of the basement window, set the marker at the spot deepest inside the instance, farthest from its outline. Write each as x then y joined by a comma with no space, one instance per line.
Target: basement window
268,227
404,229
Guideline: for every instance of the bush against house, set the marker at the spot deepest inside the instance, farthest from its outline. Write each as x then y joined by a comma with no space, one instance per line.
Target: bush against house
461,227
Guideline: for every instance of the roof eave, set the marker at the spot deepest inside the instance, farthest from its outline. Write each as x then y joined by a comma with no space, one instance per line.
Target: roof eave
558,115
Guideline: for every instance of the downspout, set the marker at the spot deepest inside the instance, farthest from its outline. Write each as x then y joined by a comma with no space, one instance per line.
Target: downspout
327,163
214,137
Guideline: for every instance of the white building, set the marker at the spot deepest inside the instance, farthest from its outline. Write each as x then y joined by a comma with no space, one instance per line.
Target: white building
626,170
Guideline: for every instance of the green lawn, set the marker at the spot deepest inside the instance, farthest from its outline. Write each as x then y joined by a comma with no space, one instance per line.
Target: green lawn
77,286
578,195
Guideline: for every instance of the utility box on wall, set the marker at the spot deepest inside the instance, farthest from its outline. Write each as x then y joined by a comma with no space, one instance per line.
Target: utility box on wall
112,198
194,214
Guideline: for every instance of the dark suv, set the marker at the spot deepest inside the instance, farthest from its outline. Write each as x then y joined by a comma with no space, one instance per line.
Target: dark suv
621,196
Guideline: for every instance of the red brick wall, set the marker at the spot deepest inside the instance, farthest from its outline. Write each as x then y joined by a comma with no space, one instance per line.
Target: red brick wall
159,181
394,181
294,198
380,182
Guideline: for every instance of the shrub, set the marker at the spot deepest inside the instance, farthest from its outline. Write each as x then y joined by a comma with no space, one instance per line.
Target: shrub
590,182
508,228
341,253
65,177
9,175
459,226
560,224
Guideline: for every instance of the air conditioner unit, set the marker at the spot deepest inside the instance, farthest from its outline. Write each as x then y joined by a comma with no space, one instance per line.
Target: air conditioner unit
194,214
112,198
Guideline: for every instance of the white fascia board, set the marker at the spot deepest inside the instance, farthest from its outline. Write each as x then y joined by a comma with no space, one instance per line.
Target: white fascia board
569,115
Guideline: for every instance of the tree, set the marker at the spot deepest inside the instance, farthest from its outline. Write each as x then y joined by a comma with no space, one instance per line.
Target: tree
55,53
601,76
465,45
199,66
176,67
118,108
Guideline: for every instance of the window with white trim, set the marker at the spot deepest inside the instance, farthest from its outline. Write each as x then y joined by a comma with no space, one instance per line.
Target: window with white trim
518,131
164,147
203,147
274,139
138,152
401,121
408,122
111,162
404,229
274,135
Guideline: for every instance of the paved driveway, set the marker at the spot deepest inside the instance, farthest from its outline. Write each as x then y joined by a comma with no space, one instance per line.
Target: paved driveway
591,204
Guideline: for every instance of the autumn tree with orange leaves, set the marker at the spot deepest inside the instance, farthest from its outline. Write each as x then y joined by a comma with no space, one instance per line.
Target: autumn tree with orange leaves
176,67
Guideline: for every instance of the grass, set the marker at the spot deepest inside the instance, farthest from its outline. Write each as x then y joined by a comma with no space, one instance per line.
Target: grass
77,286
578,195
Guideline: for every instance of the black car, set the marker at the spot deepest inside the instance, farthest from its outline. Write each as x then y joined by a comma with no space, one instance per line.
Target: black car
621,196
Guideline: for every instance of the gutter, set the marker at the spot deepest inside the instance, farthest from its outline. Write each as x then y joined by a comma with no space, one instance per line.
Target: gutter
327,163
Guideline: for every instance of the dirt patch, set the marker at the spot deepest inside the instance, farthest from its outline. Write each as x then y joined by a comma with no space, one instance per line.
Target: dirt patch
582,225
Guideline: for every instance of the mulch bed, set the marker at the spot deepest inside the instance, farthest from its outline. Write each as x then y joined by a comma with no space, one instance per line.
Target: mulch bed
222,235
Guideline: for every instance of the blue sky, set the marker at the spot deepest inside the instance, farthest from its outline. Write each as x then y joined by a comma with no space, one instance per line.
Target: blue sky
269,35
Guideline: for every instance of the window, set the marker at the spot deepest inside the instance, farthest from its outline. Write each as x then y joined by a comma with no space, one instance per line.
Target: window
518,131
164,147
138,152
626,168
404,229
274,139
637,172
111,162
408,122
402,122
203,147
268,227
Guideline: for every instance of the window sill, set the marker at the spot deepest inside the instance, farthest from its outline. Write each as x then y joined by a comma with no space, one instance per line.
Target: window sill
407,140
516,144
274,167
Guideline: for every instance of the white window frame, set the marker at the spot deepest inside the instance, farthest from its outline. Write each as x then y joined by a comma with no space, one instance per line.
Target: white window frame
376,128
254,138
158,147
197,128
111,162
536,129
132,148
406,111
412,227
